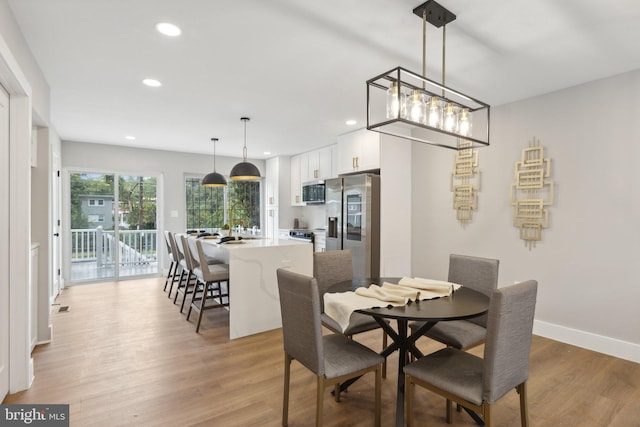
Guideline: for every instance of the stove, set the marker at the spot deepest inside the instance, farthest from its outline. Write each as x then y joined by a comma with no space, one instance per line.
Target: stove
302,235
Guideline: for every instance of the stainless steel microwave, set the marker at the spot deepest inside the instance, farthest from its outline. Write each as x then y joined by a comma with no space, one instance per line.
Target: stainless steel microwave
313,192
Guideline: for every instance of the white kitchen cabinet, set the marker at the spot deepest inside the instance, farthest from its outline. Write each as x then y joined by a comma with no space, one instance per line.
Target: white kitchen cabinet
358,151
311,166
319,241
305,174
334,161
320,164
271,228
314,165
278,210
271,182
296,183
271,195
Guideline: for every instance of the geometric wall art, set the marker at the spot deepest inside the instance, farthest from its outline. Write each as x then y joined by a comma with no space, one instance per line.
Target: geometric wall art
532,193
465,183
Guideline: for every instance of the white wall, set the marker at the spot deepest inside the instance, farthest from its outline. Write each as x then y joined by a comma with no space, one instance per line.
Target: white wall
395,206
28,65
585,264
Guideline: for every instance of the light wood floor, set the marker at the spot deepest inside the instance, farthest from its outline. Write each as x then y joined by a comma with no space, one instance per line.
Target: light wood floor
123,355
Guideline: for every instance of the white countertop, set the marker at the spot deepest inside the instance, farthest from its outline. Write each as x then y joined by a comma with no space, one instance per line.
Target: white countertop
253,243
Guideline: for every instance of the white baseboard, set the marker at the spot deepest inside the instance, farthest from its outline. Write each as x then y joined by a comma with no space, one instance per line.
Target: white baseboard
601,344
31,372
50,335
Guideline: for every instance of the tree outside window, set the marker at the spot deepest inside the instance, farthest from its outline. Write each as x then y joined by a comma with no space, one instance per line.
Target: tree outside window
208,207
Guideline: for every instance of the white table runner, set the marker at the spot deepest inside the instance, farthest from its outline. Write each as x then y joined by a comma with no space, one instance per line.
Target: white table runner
341,305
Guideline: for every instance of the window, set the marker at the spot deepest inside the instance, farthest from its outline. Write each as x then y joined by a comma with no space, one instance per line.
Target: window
96,202
95,218
100,202
92,202
208,207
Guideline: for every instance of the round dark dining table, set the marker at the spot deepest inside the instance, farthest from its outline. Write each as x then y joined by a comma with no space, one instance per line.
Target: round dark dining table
464,303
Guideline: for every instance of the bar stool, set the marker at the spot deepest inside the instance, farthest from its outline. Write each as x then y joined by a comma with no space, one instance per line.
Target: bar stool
172,275
185,287
210,277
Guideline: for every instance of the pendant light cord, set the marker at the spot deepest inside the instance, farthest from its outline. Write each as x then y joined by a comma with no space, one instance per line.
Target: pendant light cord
444,39
214,153
424,49
424,45
244,150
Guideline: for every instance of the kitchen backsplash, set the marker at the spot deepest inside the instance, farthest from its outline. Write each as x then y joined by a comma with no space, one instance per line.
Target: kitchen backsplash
313,216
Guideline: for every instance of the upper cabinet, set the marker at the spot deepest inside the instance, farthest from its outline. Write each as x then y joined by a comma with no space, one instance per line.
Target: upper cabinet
296,182
272,181
311,166
358,151
320,163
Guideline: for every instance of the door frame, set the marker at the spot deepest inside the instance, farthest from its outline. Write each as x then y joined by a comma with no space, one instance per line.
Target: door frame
4,246
19,209
57,283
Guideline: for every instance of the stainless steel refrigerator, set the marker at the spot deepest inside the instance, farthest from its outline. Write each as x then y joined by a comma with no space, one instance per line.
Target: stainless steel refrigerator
353,220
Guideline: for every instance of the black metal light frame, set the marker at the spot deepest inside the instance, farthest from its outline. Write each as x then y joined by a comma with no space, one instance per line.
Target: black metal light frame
407,81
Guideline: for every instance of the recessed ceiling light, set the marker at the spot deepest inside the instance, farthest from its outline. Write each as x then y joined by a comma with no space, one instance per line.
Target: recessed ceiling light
267,153
351,122
152,82
130,138
168,29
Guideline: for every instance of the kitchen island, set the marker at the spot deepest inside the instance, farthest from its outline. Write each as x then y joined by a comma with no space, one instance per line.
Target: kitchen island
254,305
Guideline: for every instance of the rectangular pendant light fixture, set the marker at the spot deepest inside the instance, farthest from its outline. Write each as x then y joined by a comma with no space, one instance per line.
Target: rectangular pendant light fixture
409,105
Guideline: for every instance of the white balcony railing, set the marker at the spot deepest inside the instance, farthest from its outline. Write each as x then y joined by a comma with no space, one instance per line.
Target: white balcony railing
135,247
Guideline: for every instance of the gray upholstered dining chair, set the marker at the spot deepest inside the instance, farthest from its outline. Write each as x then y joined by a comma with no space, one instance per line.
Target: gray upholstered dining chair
479,274
209,286
174,266
477,383
333,267
332,358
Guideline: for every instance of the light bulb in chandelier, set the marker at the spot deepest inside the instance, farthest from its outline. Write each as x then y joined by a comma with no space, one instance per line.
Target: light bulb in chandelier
417,107
449,119
395,102
464,122
435,112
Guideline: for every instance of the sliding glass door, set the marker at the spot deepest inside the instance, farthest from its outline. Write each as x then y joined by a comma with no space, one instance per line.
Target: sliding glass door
113,226
138,231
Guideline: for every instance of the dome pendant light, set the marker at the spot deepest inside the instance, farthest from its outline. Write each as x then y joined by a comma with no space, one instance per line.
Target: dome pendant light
214,179
245,171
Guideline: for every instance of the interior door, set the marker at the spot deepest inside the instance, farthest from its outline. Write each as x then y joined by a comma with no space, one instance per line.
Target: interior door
4,243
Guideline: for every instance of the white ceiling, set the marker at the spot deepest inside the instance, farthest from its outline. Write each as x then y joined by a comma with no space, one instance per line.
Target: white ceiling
298,68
